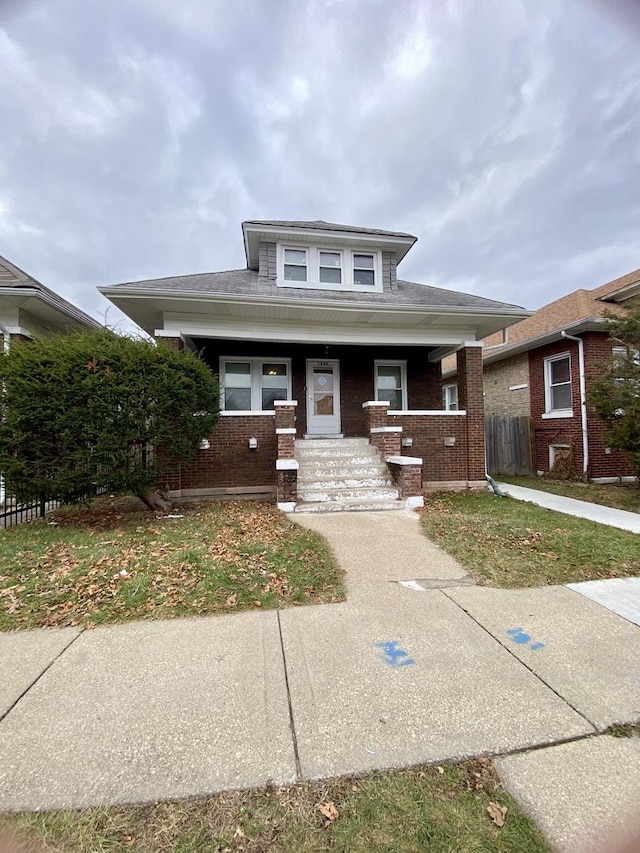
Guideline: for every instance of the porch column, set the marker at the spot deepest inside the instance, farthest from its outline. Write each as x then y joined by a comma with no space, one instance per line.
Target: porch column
470,398
387,439
286,465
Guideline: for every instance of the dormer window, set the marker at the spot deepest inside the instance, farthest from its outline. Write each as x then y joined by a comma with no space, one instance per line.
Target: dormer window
364,270
329,268
295,264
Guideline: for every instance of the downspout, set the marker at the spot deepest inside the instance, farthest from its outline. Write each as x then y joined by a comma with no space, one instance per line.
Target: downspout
583,403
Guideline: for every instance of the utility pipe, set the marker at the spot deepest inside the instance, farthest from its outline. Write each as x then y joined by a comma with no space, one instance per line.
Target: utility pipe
583,402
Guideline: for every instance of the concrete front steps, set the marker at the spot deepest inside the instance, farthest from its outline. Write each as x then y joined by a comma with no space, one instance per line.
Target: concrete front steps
339,474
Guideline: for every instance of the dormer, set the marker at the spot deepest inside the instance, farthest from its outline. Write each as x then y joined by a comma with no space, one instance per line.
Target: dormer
322,255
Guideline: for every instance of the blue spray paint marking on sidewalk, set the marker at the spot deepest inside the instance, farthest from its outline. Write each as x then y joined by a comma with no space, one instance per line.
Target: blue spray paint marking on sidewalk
394,656
522,639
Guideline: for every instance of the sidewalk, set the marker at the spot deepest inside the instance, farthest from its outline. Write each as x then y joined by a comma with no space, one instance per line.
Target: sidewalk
435,670
619,518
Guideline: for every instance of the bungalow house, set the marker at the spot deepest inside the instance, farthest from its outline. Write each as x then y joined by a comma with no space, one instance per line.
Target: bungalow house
29,309
542,367
329,365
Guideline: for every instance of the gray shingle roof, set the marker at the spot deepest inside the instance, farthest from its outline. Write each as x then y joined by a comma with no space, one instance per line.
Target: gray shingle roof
321,225
244,282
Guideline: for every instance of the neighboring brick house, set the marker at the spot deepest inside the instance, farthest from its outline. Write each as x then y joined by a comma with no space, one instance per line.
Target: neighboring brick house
29,309
318,338
537,368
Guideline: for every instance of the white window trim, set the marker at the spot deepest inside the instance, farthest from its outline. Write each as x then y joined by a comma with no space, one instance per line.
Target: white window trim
313,268
383,362
256,386
446,397
552,453
548,411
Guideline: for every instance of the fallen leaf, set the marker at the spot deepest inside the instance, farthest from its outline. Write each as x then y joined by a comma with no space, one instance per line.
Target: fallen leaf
329,810
231,600
497,813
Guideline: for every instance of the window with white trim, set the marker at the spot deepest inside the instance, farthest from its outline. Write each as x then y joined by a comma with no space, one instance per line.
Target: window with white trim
557,384
253,384
450,398
295,265
391,383
329,268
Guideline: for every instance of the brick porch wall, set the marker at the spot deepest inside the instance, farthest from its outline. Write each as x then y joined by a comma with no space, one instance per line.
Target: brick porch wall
229,463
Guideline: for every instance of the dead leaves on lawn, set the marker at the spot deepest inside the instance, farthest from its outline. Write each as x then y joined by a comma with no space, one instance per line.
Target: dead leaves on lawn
217,557
497,813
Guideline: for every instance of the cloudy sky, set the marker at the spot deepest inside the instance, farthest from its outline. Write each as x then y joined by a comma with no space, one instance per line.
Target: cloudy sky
136,135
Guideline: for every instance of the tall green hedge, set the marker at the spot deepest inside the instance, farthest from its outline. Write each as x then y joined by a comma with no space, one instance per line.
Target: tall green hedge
94,409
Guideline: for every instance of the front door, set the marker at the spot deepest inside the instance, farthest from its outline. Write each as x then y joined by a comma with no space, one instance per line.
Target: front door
323,397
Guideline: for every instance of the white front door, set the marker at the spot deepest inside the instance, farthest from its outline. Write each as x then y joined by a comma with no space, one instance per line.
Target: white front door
323,397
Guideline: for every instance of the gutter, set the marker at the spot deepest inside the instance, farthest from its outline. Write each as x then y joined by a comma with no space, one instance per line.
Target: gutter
583,403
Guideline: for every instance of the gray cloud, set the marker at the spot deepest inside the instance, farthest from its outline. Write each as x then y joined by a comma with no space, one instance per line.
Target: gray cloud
506,136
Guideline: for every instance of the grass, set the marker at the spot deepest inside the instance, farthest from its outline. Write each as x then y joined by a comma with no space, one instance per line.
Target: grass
507,543
114,561
440,809
620,497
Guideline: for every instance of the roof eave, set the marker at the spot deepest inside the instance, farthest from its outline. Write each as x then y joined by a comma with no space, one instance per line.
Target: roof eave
118,291
587,324
58,304
401,244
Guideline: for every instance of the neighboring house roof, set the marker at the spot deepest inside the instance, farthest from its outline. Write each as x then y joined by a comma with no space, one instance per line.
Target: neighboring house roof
581,310
20,291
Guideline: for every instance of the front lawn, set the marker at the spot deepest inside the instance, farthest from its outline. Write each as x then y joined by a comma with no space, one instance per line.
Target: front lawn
508,543
620,497
114,561
448,808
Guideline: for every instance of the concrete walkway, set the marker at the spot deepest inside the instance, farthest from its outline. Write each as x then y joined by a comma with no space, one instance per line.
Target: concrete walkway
417,665
619,518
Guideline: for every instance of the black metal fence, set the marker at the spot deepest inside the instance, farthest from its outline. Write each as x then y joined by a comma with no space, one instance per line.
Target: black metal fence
12,512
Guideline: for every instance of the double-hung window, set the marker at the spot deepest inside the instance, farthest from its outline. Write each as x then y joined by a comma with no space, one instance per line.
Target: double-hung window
330,267
364,273
295,264
391,383
557,386
253,384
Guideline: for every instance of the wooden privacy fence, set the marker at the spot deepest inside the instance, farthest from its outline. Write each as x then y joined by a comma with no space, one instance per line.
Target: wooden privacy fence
509,445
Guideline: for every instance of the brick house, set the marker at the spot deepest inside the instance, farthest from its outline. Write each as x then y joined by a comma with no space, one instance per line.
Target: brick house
542,367
29,309
325,356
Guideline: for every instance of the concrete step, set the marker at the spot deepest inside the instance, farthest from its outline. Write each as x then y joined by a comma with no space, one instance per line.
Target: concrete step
306,495
351,467
342,472
331,442
321,483
365,453
363,505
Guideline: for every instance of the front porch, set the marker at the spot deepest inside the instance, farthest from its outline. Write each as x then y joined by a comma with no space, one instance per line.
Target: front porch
316,391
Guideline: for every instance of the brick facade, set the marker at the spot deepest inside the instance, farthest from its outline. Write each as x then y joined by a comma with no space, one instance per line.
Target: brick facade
568,431
499,377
